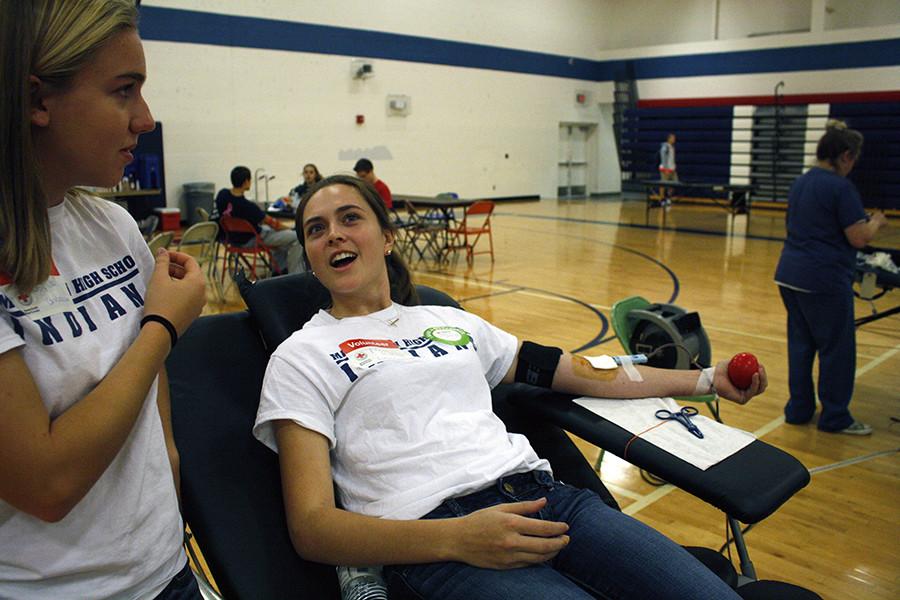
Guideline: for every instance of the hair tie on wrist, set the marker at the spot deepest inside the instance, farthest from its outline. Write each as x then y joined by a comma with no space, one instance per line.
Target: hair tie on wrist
165,323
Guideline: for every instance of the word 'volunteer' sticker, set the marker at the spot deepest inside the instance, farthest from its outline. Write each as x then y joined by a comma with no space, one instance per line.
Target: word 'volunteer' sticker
445,334
46,299
365,353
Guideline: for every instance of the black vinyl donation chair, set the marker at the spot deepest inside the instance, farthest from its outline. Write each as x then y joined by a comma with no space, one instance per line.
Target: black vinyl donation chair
231,485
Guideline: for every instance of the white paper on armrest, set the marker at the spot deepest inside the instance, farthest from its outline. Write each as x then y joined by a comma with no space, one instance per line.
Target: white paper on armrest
718,443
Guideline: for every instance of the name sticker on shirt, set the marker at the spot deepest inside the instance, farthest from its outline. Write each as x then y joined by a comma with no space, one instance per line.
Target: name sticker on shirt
45,300
364,354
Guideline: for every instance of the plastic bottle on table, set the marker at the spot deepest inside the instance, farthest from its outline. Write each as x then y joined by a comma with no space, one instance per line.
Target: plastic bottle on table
361,583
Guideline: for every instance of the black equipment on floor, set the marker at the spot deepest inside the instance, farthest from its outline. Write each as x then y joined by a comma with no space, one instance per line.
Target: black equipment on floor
658,325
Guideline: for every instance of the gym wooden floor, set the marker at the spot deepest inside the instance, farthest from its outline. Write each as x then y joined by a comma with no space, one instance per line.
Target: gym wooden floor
561,262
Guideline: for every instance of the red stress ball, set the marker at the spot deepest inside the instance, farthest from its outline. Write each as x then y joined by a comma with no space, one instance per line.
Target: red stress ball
741,369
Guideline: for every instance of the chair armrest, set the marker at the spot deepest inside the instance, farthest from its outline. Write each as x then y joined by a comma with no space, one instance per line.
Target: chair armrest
749,485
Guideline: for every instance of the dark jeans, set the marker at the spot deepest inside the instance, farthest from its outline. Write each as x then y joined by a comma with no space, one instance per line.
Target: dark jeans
182,587
610,555
823,324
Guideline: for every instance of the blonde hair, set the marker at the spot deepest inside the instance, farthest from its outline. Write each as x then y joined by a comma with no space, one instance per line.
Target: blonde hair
52,40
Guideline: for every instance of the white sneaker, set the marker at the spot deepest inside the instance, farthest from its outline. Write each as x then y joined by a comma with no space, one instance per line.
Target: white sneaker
857,428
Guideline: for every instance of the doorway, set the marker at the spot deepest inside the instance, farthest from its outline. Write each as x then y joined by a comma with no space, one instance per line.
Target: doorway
577,159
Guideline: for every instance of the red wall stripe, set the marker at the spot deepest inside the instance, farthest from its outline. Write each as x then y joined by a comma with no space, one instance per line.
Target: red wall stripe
836,98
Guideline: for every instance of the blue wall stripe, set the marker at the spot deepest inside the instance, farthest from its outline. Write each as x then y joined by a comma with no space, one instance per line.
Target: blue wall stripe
175,25
851,55
193,27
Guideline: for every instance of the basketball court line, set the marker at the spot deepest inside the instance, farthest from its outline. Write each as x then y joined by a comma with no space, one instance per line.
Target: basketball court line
874,363
657,494
640,226
852,461
769,427
624,492
490,295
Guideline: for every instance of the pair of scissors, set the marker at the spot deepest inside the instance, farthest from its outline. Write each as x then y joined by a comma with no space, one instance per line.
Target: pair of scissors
683,416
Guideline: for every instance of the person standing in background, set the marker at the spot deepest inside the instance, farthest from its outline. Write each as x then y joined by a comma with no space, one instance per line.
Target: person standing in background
826,224
667,169
366,172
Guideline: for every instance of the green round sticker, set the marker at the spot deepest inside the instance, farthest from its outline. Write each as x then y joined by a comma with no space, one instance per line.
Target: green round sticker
448,335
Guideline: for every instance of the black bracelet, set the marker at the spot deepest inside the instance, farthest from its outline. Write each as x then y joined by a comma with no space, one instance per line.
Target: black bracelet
165,323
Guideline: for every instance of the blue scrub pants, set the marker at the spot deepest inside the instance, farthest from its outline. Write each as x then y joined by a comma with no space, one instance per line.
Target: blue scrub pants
823,324
610,555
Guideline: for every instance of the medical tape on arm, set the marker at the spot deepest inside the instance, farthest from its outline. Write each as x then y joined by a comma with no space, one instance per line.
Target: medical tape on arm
628,366
705,382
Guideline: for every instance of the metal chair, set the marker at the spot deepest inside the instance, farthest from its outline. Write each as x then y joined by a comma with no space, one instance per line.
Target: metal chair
199,240
148,226
243,245
161,240
403,227
202,214
476,221
422,236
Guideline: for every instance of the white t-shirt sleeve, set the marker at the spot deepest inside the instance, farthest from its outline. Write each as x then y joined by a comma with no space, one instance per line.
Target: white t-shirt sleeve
496,349
288,393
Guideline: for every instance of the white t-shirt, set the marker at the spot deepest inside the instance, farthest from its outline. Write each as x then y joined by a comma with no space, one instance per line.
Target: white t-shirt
667,156
123,539
404,397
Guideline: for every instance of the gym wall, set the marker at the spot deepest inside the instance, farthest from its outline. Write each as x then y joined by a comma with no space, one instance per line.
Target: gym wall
268,83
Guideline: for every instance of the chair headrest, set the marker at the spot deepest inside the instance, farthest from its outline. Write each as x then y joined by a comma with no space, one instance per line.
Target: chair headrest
281,305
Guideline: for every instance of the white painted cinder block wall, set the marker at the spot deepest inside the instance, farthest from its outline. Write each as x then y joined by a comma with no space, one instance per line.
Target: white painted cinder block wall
222,106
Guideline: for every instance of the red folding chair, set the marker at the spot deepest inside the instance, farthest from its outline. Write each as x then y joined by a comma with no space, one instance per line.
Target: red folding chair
476,221
239,248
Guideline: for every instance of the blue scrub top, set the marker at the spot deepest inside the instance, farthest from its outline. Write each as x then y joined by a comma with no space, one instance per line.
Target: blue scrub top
817,256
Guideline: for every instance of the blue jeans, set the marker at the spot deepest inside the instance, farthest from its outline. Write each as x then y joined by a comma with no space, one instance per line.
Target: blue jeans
823,324
182,587
610,555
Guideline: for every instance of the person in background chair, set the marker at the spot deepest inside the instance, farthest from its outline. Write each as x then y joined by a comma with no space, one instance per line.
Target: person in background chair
89,472
390,405
311,176
282,241
365,171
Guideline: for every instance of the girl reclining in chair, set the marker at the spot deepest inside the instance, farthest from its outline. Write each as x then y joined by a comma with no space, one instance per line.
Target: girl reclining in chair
392,403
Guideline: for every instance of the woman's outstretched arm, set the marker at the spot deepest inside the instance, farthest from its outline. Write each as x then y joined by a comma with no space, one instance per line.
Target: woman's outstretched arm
575,375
